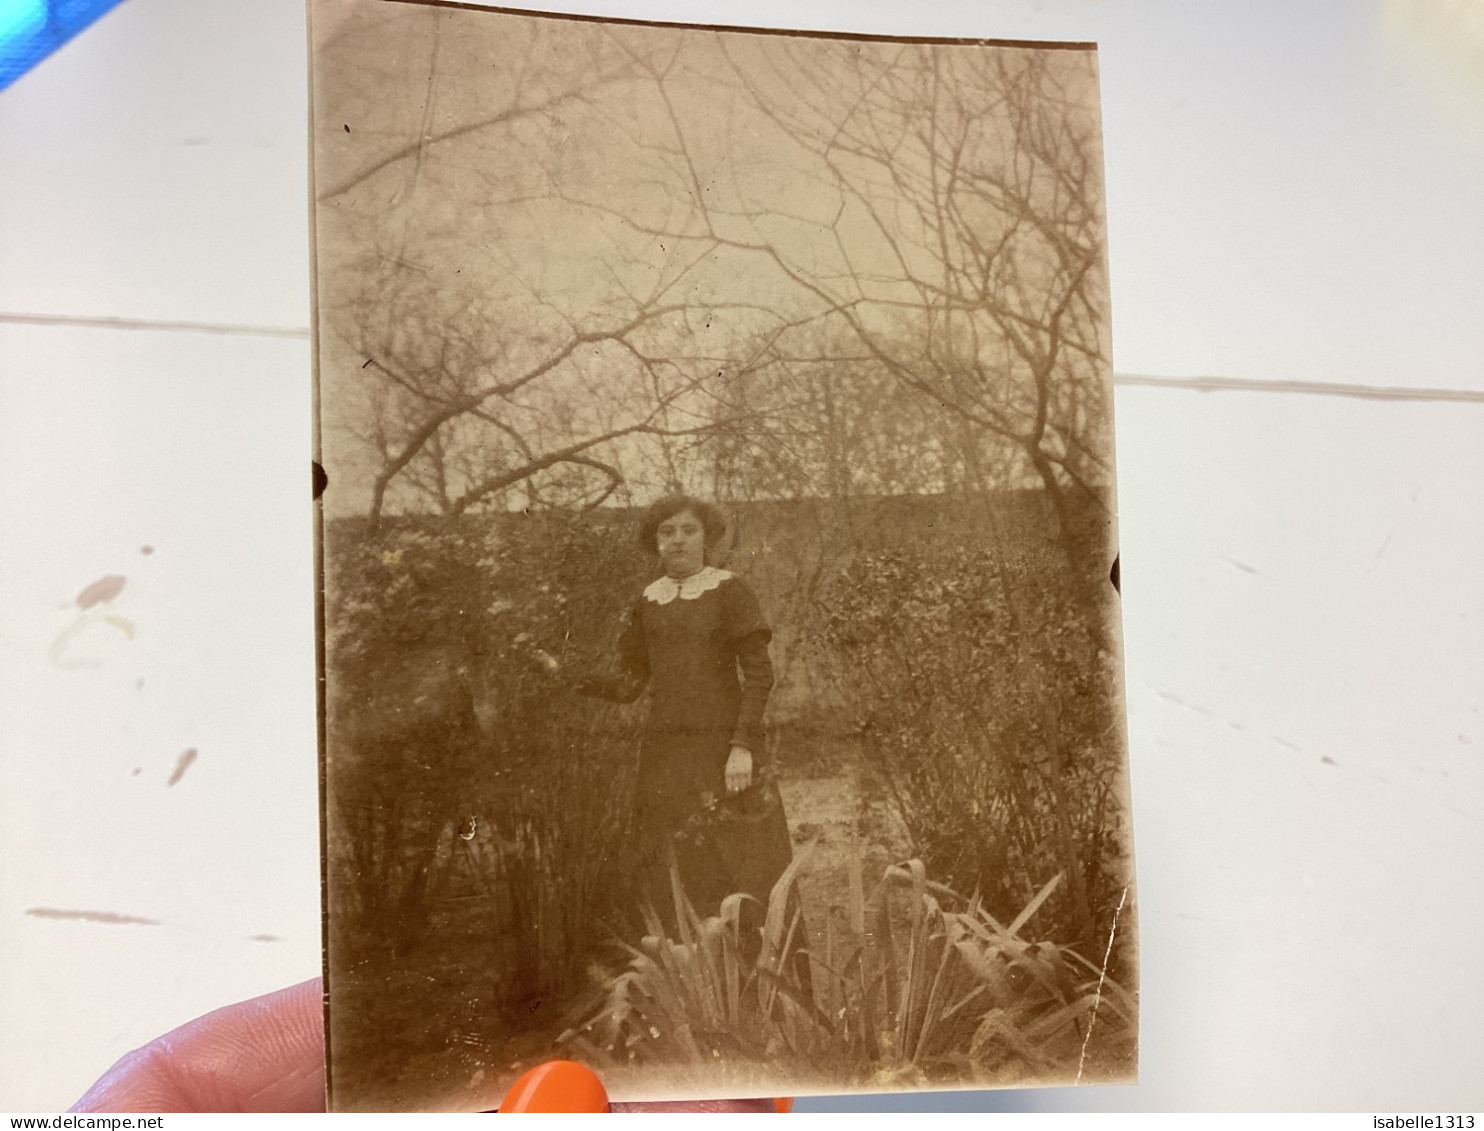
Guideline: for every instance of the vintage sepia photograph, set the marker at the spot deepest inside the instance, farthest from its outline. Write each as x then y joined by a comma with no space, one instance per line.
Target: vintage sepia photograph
722,670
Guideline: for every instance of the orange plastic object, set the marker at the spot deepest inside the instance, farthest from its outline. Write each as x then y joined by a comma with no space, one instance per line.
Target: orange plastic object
557,1085
784,1104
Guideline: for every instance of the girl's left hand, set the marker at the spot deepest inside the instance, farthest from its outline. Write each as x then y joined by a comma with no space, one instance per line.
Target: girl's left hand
739,769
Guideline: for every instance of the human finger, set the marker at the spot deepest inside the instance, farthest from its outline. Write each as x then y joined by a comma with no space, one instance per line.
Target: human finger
265,1054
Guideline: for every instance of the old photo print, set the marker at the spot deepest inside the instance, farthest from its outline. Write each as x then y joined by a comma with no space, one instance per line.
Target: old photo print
721,650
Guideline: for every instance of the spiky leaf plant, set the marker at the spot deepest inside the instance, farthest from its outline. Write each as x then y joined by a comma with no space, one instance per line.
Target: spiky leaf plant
921,985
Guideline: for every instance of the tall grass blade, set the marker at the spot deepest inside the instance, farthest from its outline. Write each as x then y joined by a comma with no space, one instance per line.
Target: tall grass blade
889,975
857,895
1031,907
685,914
731,911
773,924
932,1015
797,998
776,924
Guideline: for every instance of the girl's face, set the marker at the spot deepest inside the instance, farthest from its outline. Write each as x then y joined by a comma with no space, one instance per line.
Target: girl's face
682,545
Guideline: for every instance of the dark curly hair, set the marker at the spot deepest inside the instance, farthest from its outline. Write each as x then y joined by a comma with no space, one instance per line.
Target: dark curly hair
713,522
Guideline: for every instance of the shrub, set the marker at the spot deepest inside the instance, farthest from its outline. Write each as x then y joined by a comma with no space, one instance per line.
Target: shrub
990,708
450,713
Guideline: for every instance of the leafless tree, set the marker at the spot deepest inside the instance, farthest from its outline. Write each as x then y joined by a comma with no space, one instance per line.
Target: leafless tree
969,216
943,204
460,365
565,270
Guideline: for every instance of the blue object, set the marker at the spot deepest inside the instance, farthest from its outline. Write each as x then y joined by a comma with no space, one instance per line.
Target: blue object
30,30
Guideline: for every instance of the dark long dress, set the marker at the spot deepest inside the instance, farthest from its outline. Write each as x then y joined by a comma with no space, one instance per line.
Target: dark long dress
700,647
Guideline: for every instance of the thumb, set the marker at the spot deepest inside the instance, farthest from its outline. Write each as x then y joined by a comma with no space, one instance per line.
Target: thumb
266,1054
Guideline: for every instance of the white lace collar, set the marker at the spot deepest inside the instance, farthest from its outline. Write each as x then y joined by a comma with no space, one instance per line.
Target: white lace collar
666,589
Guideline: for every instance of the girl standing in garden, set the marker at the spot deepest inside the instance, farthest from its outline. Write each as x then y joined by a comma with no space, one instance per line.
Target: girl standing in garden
697,640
